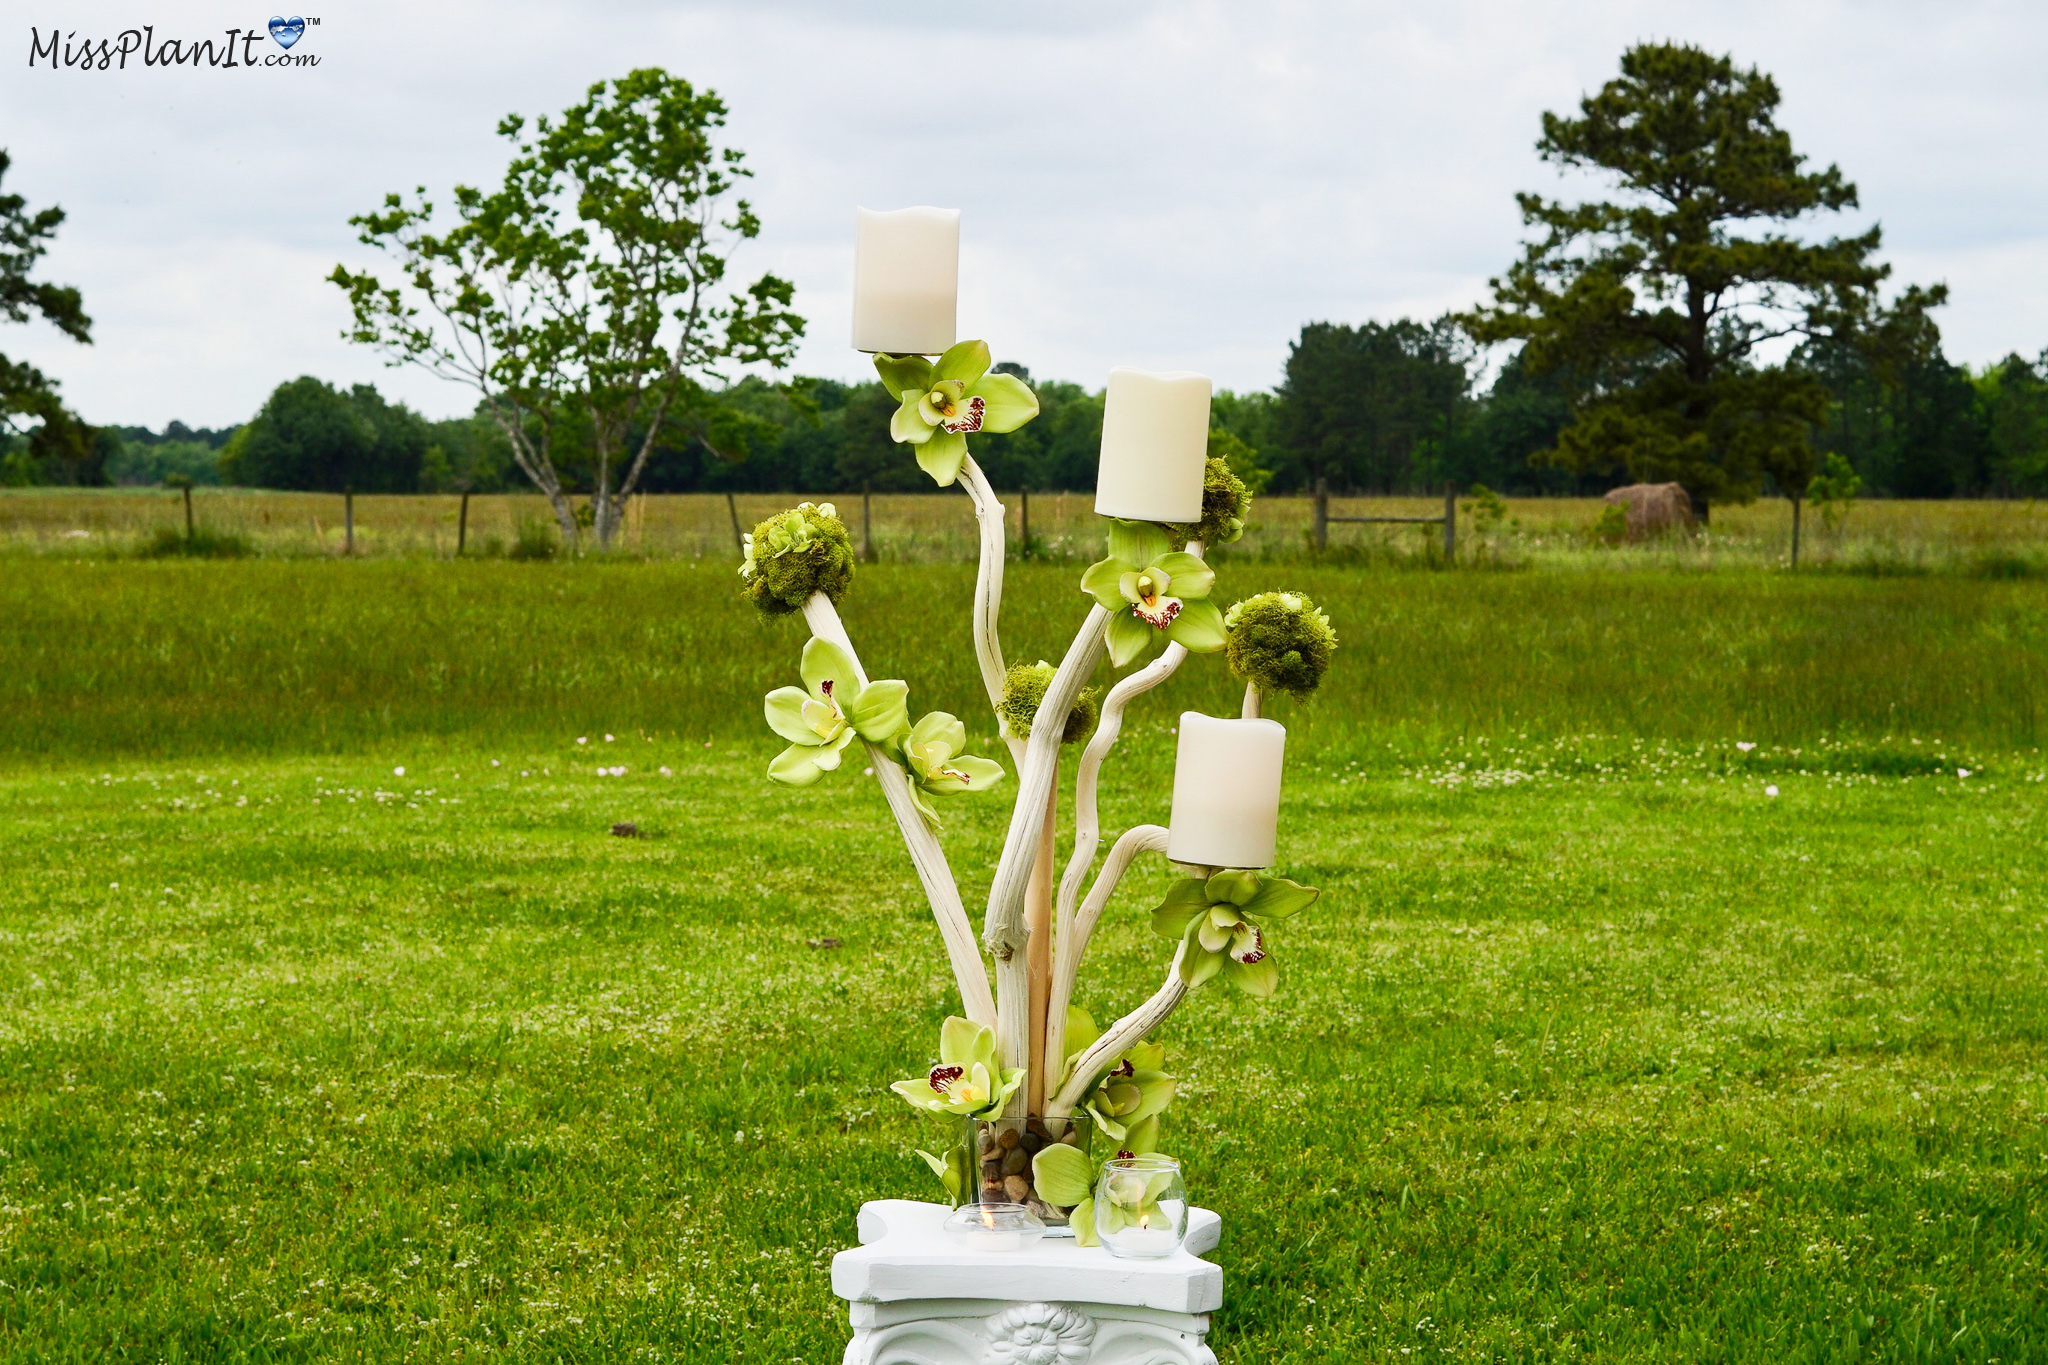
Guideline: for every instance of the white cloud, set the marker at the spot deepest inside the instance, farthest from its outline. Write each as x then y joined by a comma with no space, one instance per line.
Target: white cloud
1166,183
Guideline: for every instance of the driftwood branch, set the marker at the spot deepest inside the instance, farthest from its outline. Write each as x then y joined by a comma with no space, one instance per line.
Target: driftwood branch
1003,931
1132,1028
988,594
1077,927
926,855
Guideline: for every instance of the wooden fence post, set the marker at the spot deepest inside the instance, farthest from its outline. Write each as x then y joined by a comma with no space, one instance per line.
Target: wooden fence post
739,543
1450,523
1322,513
867,525
1023,521
462,525
348,521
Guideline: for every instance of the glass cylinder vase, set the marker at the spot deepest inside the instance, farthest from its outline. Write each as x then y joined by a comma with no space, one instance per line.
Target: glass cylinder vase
1141,1207
1000,1153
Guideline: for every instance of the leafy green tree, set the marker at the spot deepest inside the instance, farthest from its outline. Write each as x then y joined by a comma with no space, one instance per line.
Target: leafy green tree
1375,407
1656,305
45,442
1917,430
142,464
2014,394
1058,449
464,455
585,289
314,437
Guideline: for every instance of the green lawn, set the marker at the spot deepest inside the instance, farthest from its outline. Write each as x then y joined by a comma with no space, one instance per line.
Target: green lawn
1593,1050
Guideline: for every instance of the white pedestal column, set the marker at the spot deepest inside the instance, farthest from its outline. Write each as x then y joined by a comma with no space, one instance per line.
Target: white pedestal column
917,1299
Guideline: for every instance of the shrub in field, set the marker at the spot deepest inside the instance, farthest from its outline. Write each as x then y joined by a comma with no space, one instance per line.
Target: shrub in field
535,540
171,543
1612,526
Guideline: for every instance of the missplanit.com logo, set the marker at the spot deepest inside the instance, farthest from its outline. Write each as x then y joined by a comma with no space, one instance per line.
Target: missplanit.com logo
238,49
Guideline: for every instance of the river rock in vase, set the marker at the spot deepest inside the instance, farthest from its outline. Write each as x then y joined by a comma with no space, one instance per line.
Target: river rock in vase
999,1155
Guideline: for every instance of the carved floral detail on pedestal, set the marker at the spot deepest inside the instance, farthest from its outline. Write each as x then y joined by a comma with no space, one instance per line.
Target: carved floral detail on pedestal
1040,1334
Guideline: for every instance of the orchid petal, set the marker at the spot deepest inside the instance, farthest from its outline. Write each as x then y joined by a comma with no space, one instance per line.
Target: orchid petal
1101,582
784,709
1259,978
1189,575
904,374
1233,887
942,455
1198,628
1182,904
1063,1175
825,662
796,766
1106,1122
1142,1138
1278,898
1146,1056
1010,402
965,361
920,1094
962,1042
879,711
1127,636
1081,1031
980,773
1081,1218
1138,544
924,808
907,424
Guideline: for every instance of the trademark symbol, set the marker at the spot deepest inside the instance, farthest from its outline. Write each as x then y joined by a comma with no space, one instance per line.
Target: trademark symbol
312,22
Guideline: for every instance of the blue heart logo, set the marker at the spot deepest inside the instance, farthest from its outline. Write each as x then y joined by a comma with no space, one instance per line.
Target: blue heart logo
287,31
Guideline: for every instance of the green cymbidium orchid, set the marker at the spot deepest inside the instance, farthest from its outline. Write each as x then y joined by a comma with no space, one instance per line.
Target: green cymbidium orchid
821,722
931,751
1153,590
966,1080
1222,923
1127,1101
942,402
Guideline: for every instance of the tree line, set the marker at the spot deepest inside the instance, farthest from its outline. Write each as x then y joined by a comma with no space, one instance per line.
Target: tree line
1680,330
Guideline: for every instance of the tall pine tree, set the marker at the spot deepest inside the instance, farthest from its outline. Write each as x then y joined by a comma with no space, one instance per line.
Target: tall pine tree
1658,307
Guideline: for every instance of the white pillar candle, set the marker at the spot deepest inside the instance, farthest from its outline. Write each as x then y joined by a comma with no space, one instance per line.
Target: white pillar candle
1155,441
1226,791
906,280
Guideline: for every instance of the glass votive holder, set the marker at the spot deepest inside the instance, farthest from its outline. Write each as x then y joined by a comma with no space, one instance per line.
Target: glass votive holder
993,1227
1141,1207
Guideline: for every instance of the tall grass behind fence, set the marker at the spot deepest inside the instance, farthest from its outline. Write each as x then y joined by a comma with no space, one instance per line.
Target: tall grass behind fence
180,658
1992,539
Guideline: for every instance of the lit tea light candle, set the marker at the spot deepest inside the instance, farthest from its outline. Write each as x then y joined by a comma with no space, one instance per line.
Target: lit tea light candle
1226,791
1144,1241
1155,442
906,280
993,1227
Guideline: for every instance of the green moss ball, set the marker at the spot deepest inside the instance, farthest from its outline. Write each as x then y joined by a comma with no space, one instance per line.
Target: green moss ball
1226,502
794,554
1024,689
1279,642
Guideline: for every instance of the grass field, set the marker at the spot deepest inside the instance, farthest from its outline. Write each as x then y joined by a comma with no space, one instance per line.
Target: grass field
1593,1051
1994,539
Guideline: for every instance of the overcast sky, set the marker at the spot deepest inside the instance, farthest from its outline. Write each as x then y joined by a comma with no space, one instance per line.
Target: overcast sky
1171,185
